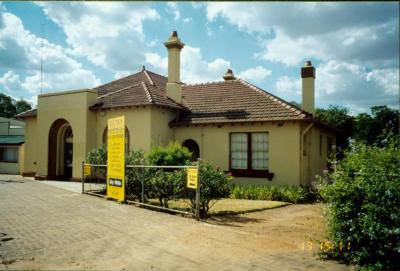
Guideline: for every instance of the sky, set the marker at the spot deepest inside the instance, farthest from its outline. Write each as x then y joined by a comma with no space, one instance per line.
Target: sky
354,46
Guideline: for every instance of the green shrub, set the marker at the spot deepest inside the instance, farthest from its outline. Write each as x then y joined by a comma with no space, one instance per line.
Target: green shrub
294,194
363,197
133,176
214,185
167,185
171,155
98,156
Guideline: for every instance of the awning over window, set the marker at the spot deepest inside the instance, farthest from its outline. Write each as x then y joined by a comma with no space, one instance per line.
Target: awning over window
12,139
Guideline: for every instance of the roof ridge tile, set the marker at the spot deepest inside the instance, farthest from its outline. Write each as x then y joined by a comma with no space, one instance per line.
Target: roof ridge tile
148,77
119,90
207,83
147,92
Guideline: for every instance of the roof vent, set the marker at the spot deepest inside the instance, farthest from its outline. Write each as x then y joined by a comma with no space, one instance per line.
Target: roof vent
229,75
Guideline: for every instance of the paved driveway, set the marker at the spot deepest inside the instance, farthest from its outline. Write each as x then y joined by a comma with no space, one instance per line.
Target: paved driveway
45,227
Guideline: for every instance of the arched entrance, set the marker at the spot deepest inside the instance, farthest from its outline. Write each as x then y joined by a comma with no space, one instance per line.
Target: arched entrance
193,148
60,150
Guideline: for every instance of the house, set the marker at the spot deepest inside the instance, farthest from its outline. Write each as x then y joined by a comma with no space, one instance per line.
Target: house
258,137
11,146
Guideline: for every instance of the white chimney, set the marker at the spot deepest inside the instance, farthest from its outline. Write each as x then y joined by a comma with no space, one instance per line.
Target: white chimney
174,46
308,87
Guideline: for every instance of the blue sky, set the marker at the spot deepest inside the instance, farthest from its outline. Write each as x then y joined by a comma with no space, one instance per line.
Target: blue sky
354,46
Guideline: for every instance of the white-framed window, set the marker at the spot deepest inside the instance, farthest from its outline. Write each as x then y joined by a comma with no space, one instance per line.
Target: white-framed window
249,151
9,154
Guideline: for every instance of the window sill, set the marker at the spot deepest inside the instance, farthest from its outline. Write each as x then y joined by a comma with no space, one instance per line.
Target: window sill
252,173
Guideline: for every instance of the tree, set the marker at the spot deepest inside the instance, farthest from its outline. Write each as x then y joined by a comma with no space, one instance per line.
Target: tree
378,127
339,117
7,107
10,107
22,106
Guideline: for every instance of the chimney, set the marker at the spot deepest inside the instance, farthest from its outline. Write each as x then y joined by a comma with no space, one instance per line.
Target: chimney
229,75
308,87
174,46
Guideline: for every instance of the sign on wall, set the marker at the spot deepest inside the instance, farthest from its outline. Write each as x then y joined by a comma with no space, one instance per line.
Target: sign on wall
116,159
192,178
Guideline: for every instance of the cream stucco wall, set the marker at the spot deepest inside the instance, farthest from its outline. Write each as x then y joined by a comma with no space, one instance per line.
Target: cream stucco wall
9,168
314,156
137,120
21,159
73,106
31,150
284,146
161,133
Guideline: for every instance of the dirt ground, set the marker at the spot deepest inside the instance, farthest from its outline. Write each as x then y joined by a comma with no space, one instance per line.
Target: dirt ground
55,229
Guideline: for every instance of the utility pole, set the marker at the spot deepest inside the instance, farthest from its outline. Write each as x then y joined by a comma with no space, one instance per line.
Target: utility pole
41,59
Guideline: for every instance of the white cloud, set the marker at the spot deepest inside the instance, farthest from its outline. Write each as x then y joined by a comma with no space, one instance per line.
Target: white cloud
363,33
155,60
9,82
355,44
194,69
257,74
188,20
21,55
109,34
173,8
349,84
288,88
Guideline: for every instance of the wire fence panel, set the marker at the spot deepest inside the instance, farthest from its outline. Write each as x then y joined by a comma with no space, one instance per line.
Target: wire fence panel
159,187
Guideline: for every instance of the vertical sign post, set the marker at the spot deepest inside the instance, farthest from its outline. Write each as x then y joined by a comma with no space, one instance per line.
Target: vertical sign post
116,159
193,182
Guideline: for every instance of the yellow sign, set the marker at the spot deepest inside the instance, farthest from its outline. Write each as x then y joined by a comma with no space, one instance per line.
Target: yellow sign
192,178
116,159
86,170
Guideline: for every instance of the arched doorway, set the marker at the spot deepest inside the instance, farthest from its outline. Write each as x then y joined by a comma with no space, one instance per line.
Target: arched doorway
193,147
60,150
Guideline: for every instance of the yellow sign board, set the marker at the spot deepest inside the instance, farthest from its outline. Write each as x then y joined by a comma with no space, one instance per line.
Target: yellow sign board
86,170
116,159
192,174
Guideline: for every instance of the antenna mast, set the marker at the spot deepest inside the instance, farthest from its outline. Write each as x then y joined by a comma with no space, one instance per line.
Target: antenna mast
41,59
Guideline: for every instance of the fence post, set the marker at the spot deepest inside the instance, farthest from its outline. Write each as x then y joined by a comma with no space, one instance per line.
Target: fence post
83,177
142,179
198,192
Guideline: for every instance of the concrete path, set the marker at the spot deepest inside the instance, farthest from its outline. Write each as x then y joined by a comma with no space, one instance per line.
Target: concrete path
45,227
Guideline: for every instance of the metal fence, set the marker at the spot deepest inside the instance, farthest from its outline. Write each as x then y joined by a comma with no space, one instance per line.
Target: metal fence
148,186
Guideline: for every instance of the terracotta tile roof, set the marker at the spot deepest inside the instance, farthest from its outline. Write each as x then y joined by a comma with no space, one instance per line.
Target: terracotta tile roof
142,88
217,102
234,101
26,114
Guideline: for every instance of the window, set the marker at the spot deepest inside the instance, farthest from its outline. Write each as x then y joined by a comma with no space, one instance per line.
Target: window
9,154
249,155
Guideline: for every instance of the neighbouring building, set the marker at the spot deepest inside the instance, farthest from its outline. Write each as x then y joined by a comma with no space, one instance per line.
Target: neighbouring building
258,137
11,146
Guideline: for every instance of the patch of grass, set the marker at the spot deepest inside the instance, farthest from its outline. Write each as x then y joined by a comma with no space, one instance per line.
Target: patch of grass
286,193
227,206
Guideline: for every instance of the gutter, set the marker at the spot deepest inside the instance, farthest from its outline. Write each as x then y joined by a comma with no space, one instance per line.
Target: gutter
302,148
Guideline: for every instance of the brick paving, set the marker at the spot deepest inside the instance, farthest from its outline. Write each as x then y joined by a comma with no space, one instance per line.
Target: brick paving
52,228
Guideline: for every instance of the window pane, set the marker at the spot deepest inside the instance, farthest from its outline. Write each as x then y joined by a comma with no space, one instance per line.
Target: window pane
9,154
259,151
239,151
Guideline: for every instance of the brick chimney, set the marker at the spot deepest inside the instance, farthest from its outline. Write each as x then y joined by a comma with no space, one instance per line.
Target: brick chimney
308,87
174,47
